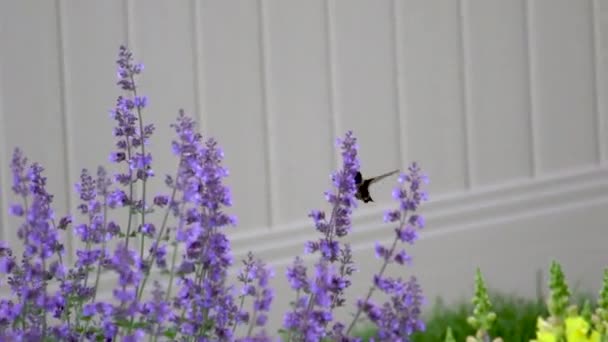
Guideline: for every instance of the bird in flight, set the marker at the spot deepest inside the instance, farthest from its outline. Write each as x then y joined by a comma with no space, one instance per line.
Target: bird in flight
363,185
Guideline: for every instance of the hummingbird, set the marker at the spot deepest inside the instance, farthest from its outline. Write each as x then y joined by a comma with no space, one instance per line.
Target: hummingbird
363,185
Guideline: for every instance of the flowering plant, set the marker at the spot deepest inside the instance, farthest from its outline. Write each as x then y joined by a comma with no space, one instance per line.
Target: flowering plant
483,317
53,300
566,323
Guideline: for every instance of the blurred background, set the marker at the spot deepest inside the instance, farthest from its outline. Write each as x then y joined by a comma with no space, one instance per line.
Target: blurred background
502,103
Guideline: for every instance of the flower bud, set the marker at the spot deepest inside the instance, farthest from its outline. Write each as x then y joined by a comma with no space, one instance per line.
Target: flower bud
472,321
572,310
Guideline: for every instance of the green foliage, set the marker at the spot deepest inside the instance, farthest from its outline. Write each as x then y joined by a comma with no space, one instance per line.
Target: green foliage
365,332
600,318
560,294
511,317
586,310
449,337
483,317
516,319
170,333
603,295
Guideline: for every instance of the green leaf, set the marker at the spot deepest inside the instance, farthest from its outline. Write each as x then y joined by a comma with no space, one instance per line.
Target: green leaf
603,295
170,333
139,325
123,323
449,337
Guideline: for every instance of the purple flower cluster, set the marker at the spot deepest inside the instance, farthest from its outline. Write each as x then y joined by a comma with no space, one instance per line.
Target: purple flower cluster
309,320
53,300
203,293
41,260
255,277
343,201
129,130
132,137
96,231
398,318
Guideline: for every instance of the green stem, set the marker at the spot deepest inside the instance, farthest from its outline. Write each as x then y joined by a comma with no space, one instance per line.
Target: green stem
44,283
143,196
373,287
86,278
143,155
26,209
296,304
173,260
103,246
252,323
328,235
172,273
175,248
196,276
253,319
334,301
240,308
152,256
130,220
203,274
66,312
103,251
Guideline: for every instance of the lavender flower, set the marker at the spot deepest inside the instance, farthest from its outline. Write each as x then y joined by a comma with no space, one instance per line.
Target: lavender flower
343,200
325,291
400,317
203,292
132,134
18,168
93,194
157,311
29,279
255,277
296,275
194,221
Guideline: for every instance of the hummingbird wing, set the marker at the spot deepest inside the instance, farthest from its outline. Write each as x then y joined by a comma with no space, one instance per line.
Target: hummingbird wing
378,178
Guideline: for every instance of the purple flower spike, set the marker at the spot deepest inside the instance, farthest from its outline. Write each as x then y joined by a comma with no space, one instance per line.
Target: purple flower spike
132,138
398,318
342,200
255,276
157,310
325,290
201,222
296,275
18,168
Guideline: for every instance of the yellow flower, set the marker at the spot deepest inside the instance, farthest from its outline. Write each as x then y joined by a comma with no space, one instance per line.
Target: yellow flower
545,332
545,336
578,330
